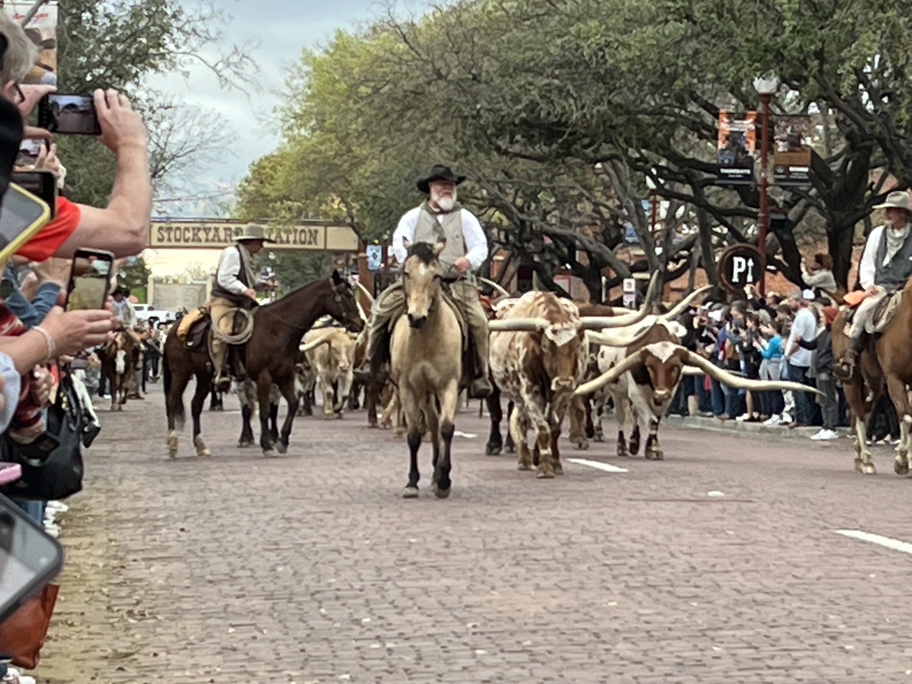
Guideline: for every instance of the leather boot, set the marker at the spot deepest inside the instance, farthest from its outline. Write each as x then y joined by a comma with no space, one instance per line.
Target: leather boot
845,367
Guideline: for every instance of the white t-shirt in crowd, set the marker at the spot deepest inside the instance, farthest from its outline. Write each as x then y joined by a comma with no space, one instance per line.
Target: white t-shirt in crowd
806,326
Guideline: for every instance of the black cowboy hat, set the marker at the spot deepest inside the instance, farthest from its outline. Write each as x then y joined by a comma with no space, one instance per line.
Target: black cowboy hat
438,172
120,289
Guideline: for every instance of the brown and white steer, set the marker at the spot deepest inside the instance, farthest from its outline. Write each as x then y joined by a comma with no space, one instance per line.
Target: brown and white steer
332,358
538,355
646,373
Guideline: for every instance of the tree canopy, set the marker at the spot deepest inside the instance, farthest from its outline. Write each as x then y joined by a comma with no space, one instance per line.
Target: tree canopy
562,113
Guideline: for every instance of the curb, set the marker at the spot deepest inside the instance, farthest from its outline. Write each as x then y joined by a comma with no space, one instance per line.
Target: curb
741,428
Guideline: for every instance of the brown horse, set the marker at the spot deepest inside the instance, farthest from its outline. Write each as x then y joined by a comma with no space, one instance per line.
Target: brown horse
120,358
270,357
885,361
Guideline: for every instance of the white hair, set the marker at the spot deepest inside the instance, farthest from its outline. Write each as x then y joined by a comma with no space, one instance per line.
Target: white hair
21,53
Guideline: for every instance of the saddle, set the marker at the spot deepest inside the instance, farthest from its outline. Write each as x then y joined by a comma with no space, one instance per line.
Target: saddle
883,315
194,328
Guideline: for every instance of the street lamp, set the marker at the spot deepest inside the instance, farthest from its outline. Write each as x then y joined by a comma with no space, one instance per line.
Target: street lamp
765,87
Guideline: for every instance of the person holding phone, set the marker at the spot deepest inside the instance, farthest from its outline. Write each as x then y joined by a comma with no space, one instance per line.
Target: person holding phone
122,226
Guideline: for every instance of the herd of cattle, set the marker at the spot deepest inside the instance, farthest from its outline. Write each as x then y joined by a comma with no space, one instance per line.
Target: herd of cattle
549,357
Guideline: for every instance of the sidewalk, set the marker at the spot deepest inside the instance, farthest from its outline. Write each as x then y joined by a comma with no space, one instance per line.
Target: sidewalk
742,427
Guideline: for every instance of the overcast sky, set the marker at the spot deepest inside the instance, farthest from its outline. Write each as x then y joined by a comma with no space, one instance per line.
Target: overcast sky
283,28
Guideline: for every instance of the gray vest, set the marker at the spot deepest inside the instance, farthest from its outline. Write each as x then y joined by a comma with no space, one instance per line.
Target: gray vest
432,227
894,275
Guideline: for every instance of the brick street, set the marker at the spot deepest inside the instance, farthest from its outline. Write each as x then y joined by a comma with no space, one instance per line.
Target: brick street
311,568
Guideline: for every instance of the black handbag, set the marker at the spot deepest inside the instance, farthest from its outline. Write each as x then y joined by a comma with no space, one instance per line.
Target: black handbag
50,473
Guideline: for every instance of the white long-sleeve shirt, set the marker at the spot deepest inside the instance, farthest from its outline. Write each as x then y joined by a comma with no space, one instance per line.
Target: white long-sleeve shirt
475,240
867,267
228,269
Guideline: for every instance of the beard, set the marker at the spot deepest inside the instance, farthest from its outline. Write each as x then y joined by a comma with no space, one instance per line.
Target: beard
446,203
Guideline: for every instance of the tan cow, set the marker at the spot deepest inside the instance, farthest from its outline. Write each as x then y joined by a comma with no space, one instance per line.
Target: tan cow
332,358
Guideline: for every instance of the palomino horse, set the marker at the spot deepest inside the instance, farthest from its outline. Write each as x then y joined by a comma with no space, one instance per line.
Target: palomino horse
426,363
887,361
120,358
271,354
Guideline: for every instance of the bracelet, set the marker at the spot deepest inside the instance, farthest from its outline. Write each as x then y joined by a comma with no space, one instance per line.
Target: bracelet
51,345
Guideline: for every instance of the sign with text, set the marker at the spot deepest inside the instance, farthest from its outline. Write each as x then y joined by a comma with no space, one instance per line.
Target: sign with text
42,31
792,156
218,234
740,266
736,145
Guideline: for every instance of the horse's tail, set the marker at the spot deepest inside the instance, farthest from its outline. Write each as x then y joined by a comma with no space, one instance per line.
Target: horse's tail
174,407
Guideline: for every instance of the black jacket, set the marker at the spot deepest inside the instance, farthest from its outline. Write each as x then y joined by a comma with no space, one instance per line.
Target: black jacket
823,346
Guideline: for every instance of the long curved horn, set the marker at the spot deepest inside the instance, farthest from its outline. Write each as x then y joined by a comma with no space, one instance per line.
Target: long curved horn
743,383
366,292
611,375
681,306
518,324
652,296
313,344
494,285
612,341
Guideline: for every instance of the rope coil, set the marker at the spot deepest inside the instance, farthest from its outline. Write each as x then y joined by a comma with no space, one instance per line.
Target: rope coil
239,338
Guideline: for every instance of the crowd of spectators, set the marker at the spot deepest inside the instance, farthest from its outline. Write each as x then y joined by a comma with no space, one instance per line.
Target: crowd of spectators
776,337
38,339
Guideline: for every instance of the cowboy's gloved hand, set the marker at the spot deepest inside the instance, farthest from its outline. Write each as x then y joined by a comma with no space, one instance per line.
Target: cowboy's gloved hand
462,265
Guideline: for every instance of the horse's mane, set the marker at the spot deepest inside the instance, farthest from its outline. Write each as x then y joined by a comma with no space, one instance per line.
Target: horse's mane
423,251
296,291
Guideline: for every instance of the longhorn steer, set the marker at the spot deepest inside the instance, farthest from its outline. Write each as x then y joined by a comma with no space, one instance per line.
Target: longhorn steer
539,353
649,369
332,358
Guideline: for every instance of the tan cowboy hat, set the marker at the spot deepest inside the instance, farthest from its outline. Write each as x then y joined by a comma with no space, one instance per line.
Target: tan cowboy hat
253,232
897,200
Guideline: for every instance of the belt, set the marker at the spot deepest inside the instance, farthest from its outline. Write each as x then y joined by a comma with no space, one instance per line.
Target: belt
451,280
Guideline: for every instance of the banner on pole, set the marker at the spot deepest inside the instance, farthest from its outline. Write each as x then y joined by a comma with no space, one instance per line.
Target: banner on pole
792,158
42,30
736,146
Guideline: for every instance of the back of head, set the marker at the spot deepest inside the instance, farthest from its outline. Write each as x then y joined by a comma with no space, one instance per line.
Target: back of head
19,53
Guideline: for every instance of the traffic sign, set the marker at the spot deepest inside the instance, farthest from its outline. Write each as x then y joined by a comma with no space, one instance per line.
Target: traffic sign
740,265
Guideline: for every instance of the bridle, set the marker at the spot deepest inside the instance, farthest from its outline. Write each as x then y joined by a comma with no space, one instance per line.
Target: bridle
337,297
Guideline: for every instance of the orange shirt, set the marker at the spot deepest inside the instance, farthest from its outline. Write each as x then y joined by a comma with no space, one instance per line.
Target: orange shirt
51,238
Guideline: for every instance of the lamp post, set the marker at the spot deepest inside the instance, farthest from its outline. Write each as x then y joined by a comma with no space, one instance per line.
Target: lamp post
765,87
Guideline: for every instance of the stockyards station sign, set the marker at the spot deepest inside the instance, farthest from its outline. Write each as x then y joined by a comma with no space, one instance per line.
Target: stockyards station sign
218,234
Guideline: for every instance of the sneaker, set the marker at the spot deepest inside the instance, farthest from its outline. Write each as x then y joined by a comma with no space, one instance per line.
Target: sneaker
743,417
57,506
824,435
773,420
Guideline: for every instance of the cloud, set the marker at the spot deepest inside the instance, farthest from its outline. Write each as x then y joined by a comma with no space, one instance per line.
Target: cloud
283,29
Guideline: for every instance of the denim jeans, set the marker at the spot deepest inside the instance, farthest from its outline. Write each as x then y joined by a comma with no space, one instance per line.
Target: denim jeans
718,399
804,409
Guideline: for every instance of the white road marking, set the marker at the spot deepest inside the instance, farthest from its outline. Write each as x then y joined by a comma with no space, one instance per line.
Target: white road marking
715,493
887,542
598,465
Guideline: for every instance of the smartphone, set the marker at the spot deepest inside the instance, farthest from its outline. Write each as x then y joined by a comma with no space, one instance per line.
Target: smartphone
68,114
90,279
22,214
42,184
29,558
29,151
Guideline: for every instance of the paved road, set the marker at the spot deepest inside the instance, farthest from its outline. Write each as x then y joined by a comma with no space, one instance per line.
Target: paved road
310,568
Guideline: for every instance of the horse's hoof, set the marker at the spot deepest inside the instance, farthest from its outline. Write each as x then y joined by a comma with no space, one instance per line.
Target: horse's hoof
282,448
598,438
244,443
558,469
656,456
410,493
511,449
901,467
524,466
493,450
581,444
172,455
869,469
270,453
545,475
441,493
203,453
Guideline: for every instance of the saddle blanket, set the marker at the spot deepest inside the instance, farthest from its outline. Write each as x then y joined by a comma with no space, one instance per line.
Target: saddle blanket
183,329
883,314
